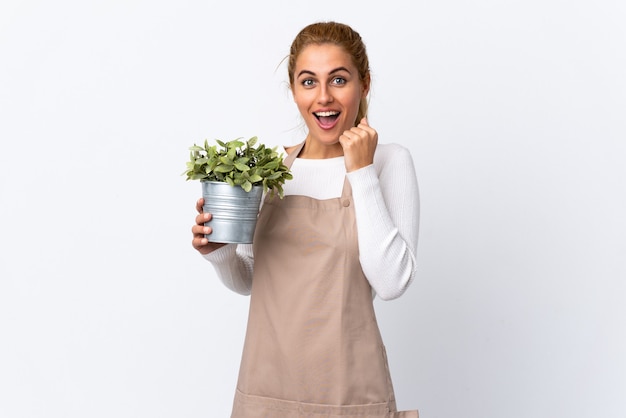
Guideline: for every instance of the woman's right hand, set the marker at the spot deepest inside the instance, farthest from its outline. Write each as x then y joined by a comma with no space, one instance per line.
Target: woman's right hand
199,242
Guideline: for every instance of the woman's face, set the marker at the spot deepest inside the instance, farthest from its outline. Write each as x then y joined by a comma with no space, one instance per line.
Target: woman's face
327,91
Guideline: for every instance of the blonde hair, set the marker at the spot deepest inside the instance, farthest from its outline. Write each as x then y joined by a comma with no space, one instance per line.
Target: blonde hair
337,34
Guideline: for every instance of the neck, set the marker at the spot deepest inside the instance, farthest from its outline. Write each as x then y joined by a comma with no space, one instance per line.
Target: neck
314,150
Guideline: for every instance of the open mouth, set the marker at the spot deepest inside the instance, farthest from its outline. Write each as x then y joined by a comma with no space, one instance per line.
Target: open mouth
328,118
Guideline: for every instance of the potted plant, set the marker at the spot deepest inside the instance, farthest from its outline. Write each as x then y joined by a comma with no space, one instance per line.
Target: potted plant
234,175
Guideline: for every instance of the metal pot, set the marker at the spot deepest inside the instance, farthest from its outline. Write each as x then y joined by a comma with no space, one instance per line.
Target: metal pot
234,211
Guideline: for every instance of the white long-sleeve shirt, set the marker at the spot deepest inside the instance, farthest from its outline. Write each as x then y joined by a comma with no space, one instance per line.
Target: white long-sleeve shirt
386,205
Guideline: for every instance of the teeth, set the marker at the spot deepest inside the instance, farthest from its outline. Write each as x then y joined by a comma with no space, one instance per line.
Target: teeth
330,113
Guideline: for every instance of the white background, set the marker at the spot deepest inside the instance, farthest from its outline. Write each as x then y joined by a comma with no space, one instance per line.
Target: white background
514,112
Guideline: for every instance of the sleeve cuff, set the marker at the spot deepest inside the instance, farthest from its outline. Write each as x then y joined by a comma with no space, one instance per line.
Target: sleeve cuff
221,255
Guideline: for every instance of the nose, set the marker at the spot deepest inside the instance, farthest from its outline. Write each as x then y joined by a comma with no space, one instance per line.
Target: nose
325,95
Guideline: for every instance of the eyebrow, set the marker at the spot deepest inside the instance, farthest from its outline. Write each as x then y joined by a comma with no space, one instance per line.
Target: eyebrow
331,72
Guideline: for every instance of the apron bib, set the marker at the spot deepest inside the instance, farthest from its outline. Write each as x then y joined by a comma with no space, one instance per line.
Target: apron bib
312,347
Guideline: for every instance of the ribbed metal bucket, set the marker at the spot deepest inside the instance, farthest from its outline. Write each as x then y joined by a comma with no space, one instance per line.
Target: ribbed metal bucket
234,211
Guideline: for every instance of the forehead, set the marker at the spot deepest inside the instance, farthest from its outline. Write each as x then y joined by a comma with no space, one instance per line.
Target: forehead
321,58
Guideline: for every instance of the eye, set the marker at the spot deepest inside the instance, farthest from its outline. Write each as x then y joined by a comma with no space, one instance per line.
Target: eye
307,82
339,81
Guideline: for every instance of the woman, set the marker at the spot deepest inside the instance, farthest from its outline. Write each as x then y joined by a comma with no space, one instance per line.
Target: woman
346,231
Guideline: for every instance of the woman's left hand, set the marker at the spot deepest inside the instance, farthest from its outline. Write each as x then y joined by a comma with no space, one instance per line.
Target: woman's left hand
359,145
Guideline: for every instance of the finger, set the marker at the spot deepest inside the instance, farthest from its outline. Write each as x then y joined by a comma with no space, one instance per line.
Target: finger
199,205
357,133
201,230
346,136
368,132
365,126
345,139
202,218
199,242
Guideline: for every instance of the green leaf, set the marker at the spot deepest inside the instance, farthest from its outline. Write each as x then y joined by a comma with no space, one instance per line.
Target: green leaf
236,143
241,167
227,160
272,165
252,141
223,168
256,178
274,176
232,153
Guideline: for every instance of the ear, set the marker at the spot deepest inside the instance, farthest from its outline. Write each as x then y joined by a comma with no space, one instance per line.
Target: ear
365,85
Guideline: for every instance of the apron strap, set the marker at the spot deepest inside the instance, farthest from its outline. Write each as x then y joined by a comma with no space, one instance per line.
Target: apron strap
347,189
294,154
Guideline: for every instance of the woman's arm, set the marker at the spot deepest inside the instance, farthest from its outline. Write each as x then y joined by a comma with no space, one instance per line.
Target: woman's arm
233,264
386,200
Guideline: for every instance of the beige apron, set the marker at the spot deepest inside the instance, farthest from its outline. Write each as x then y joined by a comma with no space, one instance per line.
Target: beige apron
313,347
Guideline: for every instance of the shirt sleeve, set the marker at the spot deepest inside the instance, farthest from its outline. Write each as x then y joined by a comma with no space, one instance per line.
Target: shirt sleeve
386,200
233,264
